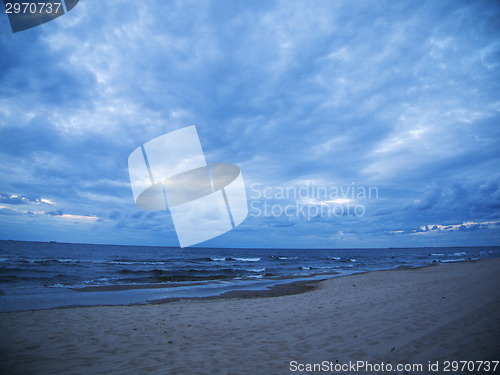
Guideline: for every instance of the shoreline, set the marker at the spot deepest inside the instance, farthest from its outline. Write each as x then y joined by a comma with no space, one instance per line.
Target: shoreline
293,285
122,287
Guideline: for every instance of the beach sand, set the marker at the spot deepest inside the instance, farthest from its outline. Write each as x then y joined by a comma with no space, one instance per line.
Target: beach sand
437,313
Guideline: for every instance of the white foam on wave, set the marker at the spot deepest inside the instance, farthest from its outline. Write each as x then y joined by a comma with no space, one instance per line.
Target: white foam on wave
247,259
57,286
255,269
127,263
234,259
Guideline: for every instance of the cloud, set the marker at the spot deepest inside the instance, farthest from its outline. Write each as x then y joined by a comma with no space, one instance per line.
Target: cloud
55,213
18,200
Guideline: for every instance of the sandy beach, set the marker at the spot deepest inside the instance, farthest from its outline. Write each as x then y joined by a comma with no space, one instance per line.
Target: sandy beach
441,313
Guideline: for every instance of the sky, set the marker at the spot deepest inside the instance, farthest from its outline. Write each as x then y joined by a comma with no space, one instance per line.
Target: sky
354,123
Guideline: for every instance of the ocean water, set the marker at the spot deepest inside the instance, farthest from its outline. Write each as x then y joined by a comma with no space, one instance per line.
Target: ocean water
39,275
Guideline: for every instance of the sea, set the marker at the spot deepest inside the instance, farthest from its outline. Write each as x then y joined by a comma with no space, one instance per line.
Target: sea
43,275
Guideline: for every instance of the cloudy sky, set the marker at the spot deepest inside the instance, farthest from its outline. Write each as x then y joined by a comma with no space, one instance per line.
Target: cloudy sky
399,99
